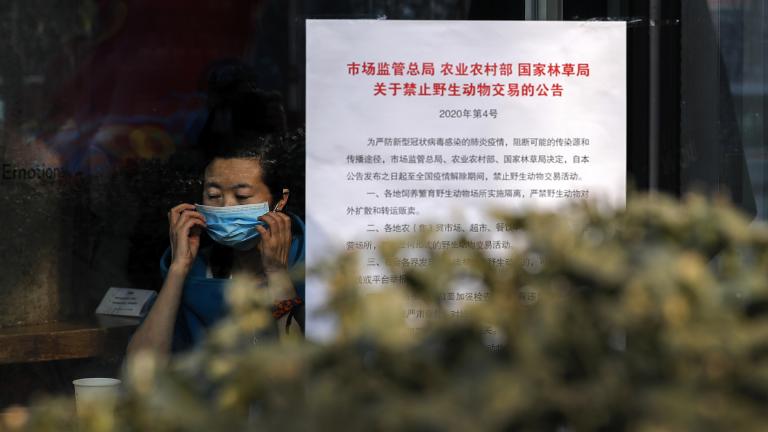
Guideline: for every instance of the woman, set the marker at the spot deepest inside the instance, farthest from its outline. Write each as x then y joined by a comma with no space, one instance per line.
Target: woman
246,189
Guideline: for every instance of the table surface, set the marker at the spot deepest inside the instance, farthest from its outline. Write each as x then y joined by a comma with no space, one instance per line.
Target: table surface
88,337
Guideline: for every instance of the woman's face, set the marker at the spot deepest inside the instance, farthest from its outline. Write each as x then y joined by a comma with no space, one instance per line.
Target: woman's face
230,182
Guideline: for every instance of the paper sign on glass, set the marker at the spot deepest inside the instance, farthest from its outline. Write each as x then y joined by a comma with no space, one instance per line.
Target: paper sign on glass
433,123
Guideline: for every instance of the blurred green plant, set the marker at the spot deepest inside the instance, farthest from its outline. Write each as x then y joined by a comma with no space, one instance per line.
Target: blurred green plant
651,318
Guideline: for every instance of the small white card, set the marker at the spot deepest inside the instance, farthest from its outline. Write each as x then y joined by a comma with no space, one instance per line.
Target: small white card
126,302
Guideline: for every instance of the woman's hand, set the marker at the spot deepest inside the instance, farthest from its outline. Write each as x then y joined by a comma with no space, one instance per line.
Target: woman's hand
275,242
186,225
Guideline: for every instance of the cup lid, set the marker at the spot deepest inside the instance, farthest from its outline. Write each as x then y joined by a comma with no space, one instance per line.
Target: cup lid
96,382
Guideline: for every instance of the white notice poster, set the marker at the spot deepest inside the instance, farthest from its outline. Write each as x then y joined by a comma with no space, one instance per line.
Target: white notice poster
433,123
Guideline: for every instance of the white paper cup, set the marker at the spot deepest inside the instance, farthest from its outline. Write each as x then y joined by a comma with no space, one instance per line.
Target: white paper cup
95,391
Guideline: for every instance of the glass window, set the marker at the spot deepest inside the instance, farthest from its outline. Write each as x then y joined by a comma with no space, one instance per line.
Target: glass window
102,105
739,39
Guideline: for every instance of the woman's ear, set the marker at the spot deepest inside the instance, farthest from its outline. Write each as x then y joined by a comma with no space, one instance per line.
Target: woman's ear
283,200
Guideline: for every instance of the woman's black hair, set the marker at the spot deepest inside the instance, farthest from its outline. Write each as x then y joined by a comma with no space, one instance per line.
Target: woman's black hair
281,158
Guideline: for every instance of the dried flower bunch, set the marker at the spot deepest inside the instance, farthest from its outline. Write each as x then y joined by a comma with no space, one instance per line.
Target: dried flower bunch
651,318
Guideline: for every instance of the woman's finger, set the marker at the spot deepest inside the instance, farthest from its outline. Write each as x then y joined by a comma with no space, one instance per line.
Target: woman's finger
265,234
191,222
283,221
187,231
285,227
268,219
187,215
176,212
284,233
276,222
279,222
271,223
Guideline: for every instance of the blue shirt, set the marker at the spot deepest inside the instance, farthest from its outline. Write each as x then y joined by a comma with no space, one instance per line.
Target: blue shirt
202,300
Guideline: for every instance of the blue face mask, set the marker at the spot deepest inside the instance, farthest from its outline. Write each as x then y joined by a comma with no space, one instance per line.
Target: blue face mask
234,226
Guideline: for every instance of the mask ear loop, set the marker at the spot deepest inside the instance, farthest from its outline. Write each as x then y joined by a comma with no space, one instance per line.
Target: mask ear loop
278,207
